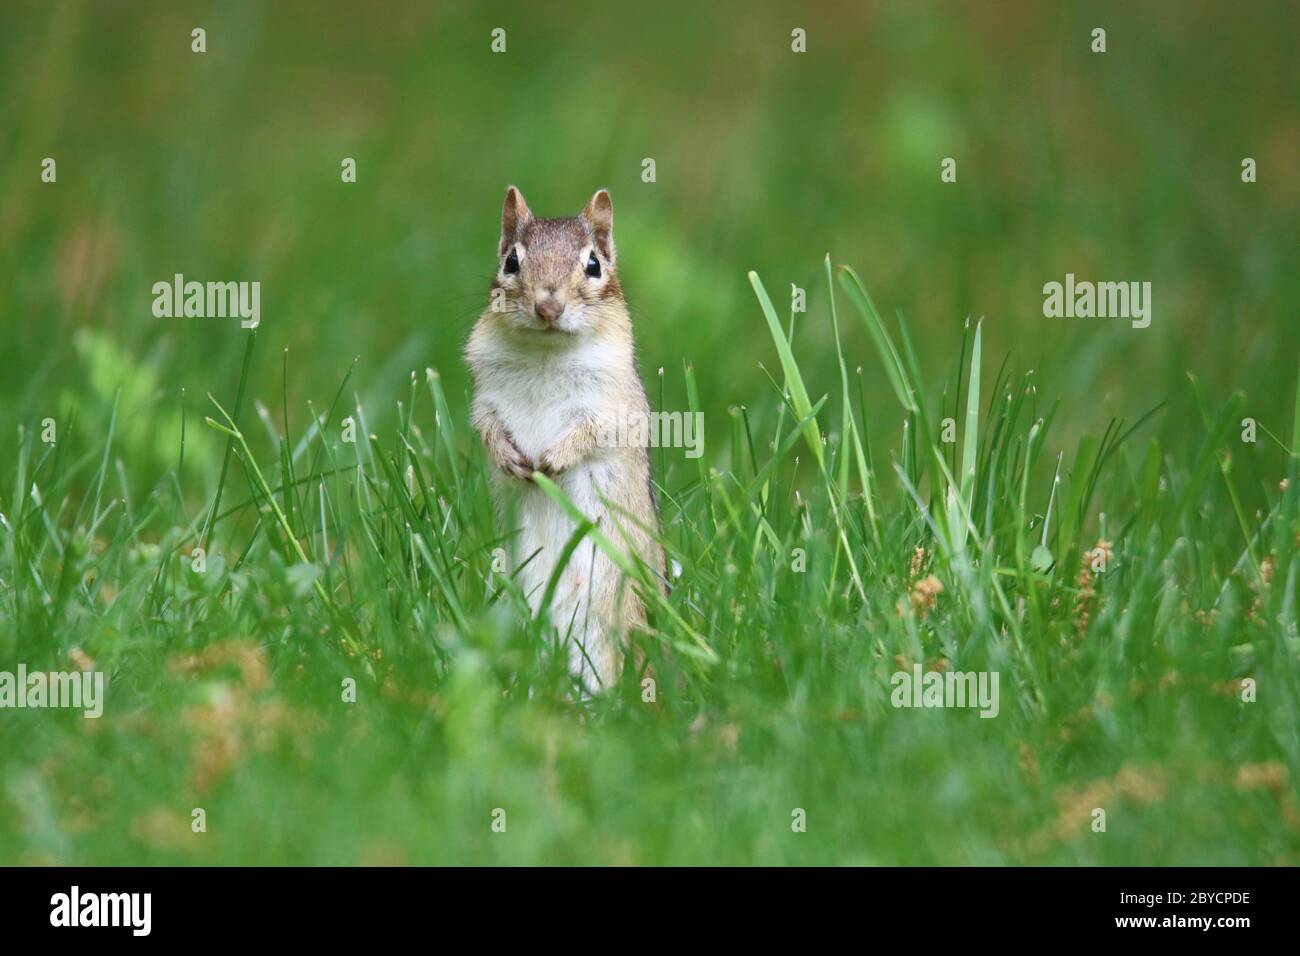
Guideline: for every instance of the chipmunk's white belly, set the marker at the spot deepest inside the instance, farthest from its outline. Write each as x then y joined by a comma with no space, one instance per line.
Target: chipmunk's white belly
540,403
539,408
581,604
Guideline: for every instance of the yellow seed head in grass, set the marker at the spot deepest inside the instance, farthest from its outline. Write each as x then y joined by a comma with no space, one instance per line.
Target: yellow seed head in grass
918,562
924,595
1101,555
1266,568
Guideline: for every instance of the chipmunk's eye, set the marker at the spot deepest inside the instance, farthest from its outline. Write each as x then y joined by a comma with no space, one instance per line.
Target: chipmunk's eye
512,263
593,266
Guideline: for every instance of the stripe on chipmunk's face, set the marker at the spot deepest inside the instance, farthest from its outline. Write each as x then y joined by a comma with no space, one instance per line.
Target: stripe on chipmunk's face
556,277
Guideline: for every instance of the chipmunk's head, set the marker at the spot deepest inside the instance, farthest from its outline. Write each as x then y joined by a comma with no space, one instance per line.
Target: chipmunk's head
556,276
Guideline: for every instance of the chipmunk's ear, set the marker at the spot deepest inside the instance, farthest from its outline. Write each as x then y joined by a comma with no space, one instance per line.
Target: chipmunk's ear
600,214
515,215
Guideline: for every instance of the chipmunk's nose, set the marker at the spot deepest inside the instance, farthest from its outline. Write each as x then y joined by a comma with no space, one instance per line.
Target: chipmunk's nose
548,307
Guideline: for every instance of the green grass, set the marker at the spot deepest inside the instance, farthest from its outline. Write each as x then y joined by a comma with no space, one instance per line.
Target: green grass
772,656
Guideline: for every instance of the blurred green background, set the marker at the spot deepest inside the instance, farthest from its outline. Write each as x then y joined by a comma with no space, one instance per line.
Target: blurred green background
225,165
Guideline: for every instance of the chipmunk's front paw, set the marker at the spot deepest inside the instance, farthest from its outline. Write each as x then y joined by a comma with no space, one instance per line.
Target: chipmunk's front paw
511,460
555,461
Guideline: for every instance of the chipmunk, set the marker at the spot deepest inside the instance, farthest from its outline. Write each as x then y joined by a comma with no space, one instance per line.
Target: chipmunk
554,375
